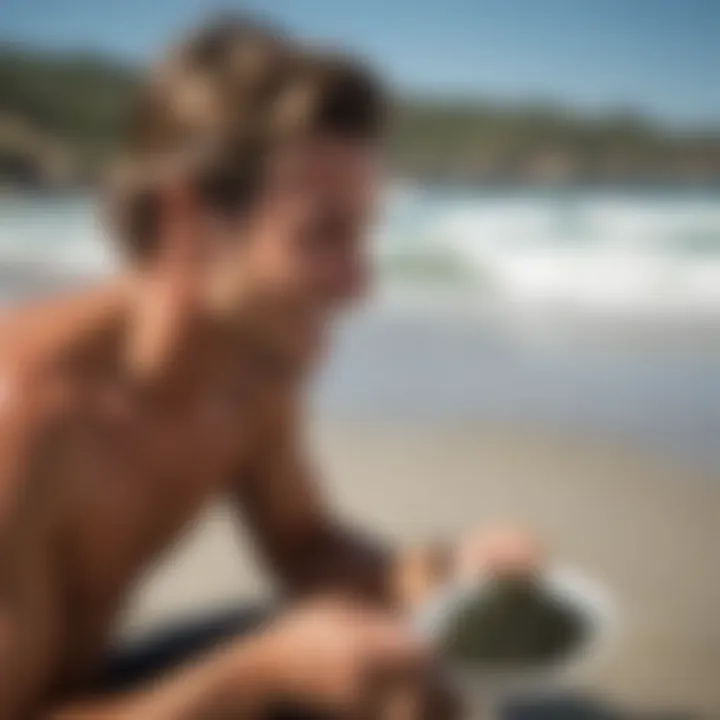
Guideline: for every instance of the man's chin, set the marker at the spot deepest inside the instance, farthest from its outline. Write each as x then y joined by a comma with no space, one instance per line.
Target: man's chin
303,334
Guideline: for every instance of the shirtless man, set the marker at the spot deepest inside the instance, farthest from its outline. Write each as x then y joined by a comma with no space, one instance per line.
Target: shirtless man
248,179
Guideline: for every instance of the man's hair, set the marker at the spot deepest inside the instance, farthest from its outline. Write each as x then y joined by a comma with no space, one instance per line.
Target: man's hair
215,106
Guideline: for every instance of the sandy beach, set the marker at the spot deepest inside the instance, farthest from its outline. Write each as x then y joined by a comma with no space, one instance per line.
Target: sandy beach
644,526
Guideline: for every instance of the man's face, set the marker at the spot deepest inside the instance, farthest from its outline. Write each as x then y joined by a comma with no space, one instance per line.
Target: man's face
305,245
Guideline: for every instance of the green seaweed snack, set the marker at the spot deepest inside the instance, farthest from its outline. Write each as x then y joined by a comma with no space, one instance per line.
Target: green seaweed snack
512,622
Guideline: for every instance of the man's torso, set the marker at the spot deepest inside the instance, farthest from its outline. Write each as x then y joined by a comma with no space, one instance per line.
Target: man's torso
115,483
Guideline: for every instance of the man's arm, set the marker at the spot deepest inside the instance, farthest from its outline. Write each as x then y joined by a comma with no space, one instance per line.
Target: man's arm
25,662
304,542
330,655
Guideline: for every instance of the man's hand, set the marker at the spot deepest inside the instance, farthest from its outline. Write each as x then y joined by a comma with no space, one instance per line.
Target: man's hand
341,657
499,551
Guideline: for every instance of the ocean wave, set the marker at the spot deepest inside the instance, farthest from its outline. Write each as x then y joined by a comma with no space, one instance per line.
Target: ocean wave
583,250
593,251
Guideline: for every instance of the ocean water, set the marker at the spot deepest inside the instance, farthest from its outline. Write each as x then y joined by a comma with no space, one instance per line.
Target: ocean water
612,251
653,251
582,312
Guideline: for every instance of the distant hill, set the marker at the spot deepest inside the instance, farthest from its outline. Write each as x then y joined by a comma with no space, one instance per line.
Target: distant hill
546,144
61,115
76,103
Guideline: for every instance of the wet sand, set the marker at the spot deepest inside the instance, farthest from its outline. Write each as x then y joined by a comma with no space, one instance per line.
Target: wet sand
648,528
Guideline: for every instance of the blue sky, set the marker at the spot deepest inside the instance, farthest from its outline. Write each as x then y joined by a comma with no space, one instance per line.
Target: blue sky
661,57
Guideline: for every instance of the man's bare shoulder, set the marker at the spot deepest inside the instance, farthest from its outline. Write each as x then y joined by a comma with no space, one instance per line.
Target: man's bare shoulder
37,395
35,410
31,332
33,338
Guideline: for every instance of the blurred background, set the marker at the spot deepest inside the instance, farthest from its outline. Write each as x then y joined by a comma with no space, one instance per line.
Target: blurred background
544,336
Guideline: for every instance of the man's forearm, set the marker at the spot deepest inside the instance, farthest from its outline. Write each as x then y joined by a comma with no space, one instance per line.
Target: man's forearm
333,557
343,559
232,682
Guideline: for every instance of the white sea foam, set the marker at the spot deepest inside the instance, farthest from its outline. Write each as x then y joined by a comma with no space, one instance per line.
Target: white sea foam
581,250
53,236
593,251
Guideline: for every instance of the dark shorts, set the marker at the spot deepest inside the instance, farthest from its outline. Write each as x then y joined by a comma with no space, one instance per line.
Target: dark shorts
131,663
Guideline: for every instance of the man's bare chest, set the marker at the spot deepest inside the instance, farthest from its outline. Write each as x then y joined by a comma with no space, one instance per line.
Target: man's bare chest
131,493
134,490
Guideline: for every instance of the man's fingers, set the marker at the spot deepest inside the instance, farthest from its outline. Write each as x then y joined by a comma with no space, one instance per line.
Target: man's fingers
428,699
396,649
505,550
401,661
